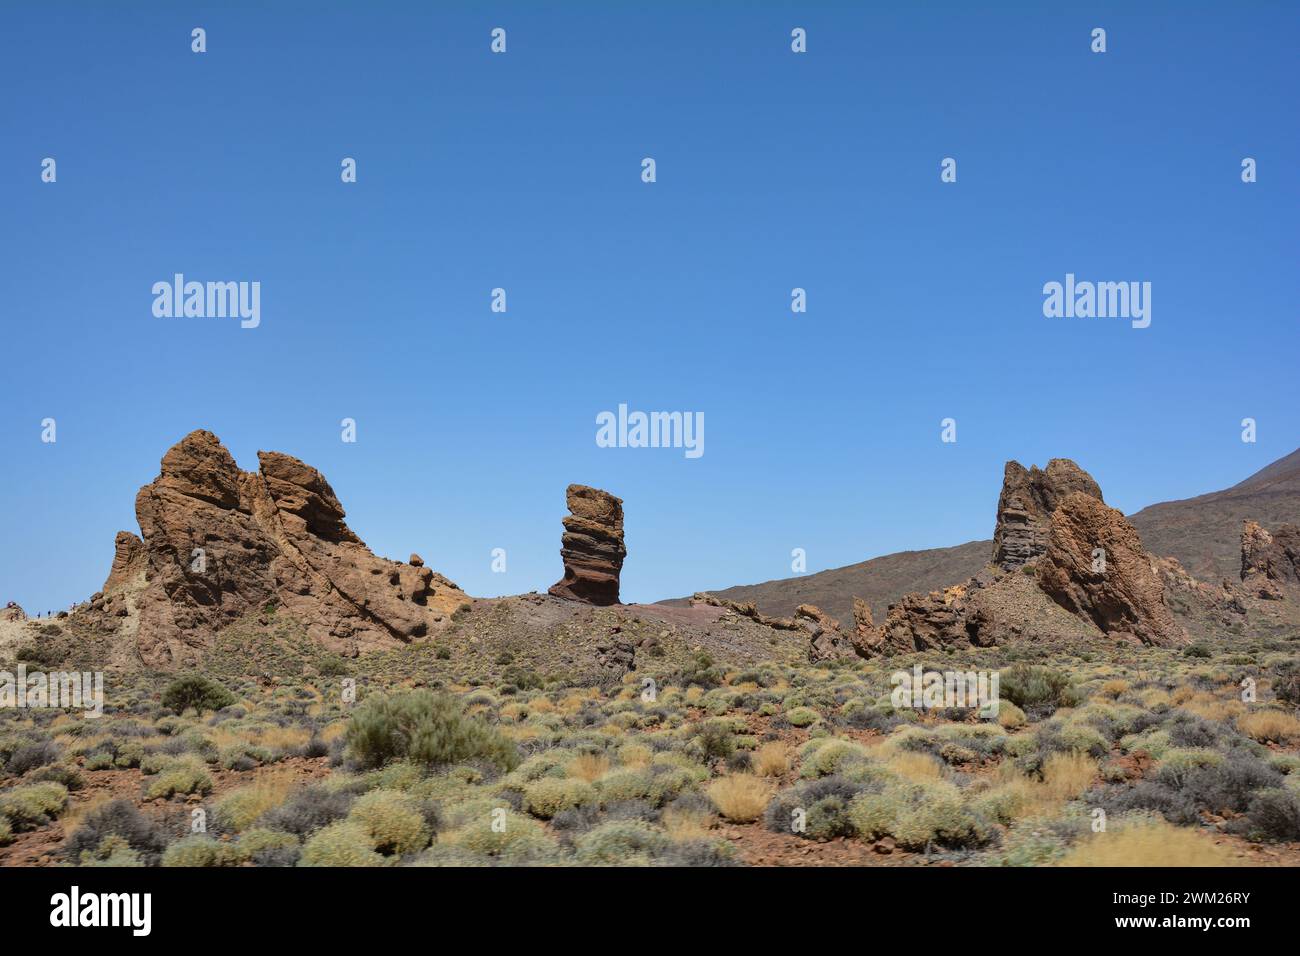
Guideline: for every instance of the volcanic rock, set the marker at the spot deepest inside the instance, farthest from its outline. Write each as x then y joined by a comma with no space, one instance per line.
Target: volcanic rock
826,642
1095,567
591,547
1270,559
218,543
1025,506
13,612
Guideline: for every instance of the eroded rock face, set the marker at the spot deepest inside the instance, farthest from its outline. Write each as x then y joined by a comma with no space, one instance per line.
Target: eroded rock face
591,547
13,612
1268,560
1095,567
826,642
218,543
1026,504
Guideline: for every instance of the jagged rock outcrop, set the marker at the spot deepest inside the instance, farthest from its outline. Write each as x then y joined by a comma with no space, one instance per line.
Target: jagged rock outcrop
129,561
1026,504
1269,561
1095,567
591,547
826,641
218,543
746,609
13,612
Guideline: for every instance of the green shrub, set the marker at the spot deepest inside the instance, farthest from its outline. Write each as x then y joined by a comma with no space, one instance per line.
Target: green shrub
1035,688
346,843
425,728
621,843
393,820
505,834
183,777
6,832
802,716
200,850
32,806
548,796
197,691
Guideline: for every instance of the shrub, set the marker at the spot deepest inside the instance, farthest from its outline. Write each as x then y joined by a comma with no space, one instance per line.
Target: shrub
309,810
548,796
393,820
802,716
1273,815
181,777
199,850
1153,843
6,832
772,759
239,809
918,814
197,691
268,847
827,756
1009,715
33,805
514,838
1035,689
1269,725
740,797
31,756
621,843
346,843
121,820
425,728
1199,651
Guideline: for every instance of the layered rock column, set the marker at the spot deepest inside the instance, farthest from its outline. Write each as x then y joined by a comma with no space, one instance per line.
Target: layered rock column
1029,496
591,547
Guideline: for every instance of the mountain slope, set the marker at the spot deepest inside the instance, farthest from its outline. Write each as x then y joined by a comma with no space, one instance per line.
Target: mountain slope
1203,533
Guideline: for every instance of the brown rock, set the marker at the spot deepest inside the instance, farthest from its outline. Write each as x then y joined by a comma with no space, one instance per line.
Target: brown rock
1268,560
219,543
591,547
1124,593
415,560
826,642
13,612
1025,506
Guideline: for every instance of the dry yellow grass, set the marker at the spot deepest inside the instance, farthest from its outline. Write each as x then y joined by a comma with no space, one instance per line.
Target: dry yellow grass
332,732
269,789
588,767
1113,688
740,797
541,705
1270,725
1067,775
635,755
917,767
772,759
1154,844
687,824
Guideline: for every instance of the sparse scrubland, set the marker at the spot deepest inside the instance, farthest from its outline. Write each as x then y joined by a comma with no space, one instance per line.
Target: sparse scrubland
1110,754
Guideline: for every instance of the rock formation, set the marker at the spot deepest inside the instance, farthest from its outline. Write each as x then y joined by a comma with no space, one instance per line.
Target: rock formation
1270,560
13,612
1026,504
591,547
1095,567
826,641
218,543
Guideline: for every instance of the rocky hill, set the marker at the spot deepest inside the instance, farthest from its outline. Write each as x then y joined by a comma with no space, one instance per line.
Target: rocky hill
1202,533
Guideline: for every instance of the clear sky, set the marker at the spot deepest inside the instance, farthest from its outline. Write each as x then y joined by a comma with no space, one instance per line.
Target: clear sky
522,171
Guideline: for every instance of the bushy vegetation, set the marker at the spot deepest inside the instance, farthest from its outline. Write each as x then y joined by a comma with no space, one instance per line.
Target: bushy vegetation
197,692
424,728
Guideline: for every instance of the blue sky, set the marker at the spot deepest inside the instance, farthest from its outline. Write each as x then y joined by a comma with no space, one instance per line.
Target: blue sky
522,171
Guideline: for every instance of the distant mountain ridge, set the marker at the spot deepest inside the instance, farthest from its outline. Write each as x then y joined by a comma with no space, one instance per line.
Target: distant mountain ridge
1203,533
